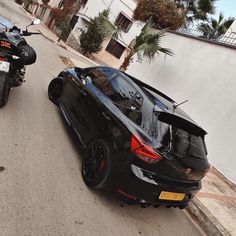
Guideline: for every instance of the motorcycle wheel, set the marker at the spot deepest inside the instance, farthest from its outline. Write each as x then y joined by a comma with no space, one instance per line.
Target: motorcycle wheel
4,89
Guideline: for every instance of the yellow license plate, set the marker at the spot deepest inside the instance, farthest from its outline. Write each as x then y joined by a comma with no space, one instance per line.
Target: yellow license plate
171,196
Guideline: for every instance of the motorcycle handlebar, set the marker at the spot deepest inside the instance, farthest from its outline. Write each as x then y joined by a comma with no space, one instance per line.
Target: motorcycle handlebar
35,33
26,33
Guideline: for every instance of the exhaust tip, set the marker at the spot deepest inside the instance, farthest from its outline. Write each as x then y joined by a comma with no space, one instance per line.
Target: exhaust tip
143,203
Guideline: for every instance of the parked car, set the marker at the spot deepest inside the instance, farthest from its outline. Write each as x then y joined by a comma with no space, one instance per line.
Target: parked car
138,142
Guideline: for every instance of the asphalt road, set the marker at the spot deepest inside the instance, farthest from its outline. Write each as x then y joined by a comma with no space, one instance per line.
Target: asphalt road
41,189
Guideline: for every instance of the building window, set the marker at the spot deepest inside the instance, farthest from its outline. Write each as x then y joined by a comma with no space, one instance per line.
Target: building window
73,21
115,48
60,4
123,22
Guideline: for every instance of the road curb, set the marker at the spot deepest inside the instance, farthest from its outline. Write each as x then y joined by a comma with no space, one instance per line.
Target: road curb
225,179
205,219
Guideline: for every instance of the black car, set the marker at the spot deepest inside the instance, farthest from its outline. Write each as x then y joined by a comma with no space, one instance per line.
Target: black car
138,142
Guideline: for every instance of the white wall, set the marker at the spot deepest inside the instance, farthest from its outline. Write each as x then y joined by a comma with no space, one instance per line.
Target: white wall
205,74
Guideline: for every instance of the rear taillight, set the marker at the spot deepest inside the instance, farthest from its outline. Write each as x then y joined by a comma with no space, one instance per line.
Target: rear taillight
2,59
144,151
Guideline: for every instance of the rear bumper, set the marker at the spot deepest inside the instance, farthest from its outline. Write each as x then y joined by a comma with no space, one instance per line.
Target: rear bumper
142,186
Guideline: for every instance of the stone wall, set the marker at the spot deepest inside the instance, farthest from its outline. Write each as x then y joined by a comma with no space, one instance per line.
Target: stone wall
73,42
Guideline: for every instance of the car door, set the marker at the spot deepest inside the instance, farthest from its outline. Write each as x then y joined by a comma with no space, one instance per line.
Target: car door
69,94
87,111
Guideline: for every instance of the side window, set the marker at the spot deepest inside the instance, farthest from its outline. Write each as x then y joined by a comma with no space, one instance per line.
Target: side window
124,22
126,98
120,91
137,102
99,76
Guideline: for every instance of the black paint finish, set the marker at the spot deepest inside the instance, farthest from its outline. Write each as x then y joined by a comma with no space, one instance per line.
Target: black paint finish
106,104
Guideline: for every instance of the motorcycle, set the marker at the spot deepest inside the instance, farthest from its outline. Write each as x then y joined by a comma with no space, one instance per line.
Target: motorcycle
13,57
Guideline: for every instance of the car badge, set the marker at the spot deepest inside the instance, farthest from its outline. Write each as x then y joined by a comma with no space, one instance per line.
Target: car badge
187,171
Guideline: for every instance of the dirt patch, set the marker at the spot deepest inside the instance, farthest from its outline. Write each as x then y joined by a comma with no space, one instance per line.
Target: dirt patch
67,61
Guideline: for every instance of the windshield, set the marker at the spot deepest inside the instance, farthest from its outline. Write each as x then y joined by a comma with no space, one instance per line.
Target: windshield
4,22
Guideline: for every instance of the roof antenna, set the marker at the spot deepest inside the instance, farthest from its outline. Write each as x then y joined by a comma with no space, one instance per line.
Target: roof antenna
176,105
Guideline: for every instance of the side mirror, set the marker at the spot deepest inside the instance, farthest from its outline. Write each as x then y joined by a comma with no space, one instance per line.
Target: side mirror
156,109
36,22
84,82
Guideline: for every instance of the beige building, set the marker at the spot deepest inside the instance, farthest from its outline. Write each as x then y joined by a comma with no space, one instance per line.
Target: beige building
121,14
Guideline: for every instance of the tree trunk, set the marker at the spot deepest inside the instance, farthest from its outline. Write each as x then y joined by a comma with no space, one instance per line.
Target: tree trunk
128,59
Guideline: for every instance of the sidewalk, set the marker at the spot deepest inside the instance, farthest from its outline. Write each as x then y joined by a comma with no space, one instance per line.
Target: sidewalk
214,207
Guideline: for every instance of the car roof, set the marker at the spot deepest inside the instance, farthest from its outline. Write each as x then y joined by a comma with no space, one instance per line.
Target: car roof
161,100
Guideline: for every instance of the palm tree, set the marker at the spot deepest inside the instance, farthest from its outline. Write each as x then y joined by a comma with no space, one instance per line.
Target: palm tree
197,9
108,29
145,45
215,28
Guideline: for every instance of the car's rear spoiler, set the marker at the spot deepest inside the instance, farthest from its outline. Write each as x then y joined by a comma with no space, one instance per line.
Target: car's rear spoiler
181,123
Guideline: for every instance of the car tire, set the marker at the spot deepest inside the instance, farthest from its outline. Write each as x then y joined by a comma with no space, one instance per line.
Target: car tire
4,89
97,164
55,90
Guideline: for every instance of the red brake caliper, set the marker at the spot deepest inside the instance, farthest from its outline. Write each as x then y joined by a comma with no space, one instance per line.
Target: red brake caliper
102,165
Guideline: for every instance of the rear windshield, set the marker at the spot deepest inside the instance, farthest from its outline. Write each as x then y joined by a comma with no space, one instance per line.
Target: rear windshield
185,144
178,141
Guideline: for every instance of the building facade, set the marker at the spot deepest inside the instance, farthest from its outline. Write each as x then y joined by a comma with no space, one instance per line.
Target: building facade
230,35
232,28
121,14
